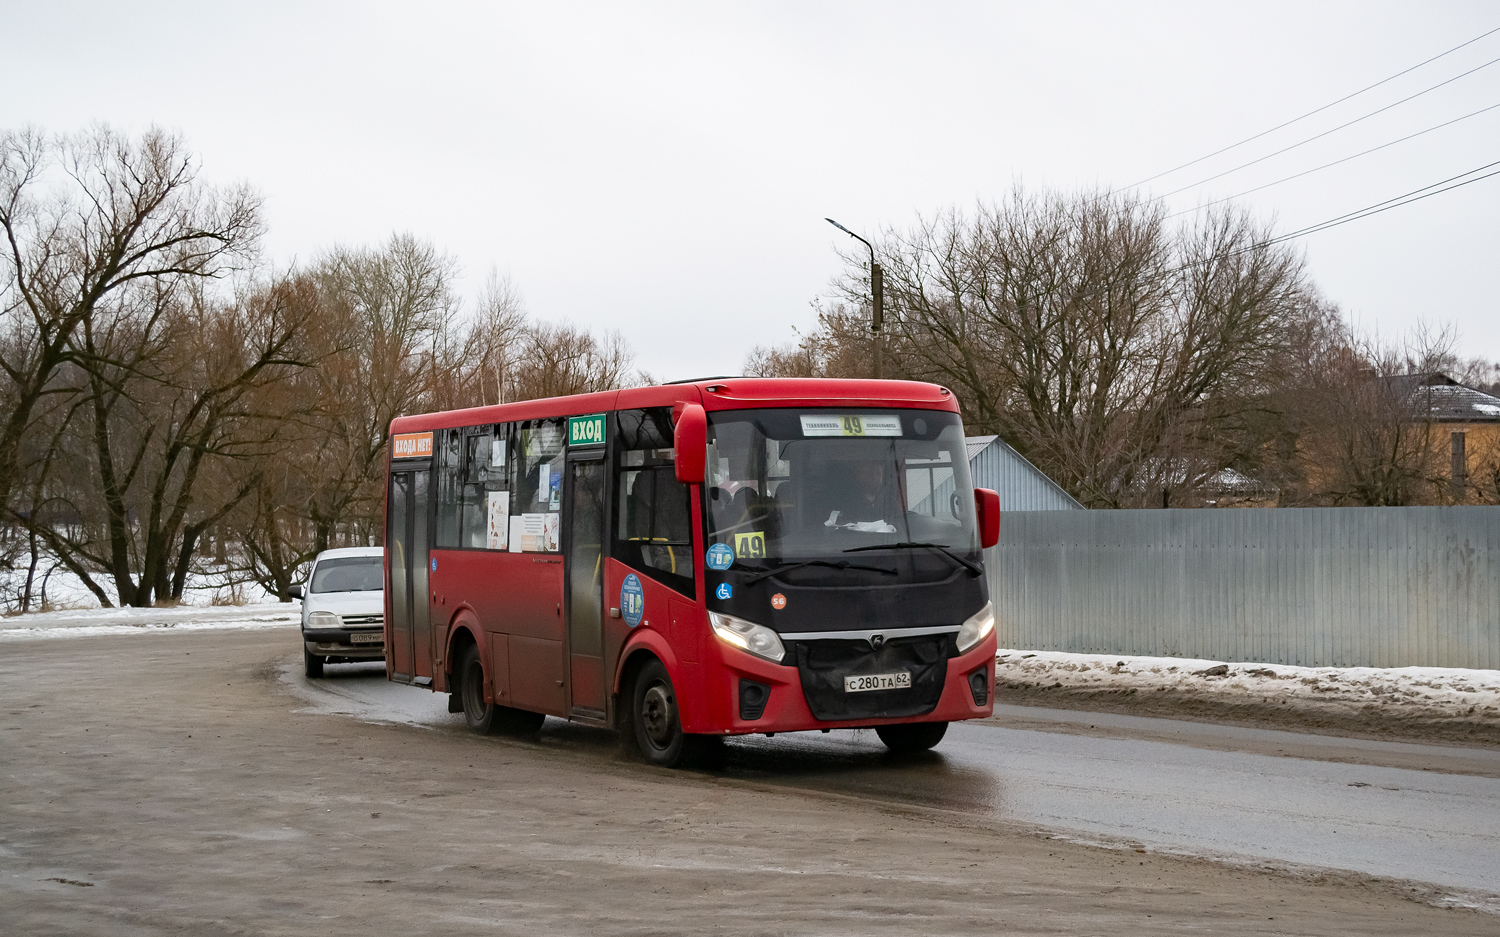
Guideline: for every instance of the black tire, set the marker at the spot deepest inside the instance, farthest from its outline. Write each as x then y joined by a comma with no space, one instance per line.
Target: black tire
912,736
489,718
312,664
654,717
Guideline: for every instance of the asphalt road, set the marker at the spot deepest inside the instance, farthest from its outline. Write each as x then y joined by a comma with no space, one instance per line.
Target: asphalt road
169,781
1249,803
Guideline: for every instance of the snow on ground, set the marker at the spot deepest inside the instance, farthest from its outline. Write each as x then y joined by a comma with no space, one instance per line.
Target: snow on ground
85,623
207,585
1438,691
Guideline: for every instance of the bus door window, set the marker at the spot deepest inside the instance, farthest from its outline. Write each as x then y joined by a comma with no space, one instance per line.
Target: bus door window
654,528
585,556
407,526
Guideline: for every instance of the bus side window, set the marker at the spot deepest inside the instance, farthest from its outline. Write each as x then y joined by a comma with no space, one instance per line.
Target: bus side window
536,473
653,529
449,465
475,475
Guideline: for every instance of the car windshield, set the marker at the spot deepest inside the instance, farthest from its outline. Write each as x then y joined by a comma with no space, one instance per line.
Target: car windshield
799,484
348,574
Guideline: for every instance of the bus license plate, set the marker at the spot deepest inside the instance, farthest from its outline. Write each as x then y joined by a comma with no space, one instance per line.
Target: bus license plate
367,637
877,681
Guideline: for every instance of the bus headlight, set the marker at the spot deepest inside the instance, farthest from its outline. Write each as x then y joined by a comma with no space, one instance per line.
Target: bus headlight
324,620
977,628
748,636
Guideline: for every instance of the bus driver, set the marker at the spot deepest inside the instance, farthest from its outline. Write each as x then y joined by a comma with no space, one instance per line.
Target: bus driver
871,504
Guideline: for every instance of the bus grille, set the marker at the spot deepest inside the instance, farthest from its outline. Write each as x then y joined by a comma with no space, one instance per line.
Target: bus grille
823,665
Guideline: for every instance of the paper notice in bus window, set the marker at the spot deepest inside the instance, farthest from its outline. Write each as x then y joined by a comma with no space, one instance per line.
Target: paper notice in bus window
554,500
551,529
514,540
534,533
497,453
850,424
543,478
499,520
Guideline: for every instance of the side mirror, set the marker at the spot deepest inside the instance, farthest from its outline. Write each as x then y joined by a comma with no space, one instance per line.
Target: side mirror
690,443
987,507
295,592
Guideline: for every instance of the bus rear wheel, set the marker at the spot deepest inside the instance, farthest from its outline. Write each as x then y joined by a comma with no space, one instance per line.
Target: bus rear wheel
654,716
912,736
489,718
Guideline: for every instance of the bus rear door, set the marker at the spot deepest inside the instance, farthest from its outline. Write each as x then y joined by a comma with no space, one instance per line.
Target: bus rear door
409,651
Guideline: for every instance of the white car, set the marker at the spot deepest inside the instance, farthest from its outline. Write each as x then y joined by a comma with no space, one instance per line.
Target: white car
343,608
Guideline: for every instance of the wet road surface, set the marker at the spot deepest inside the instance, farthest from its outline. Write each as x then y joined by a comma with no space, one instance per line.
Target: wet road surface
1194,794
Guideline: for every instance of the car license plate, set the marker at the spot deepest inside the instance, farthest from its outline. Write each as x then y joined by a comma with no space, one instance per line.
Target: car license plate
367,637
877,681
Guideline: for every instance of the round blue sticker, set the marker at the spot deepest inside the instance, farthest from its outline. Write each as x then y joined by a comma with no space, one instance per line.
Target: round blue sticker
724,591
720,556
632,600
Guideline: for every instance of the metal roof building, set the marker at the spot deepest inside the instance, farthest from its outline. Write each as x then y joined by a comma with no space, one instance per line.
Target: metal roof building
1021,485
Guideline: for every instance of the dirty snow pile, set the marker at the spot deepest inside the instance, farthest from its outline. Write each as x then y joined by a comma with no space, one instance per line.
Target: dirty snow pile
1426,691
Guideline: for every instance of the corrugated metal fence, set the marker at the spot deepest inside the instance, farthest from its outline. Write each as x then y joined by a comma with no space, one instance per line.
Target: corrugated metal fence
1343,587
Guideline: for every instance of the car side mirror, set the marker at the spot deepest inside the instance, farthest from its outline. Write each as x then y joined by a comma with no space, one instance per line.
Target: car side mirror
987,507
295,592
690,443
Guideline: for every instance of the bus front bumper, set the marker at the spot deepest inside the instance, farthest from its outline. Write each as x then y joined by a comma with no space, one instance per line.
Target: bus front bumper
967,692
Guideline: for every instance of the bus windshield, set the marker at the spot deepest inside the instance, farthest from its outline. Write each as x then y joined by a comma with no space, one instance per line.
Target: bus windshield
791,484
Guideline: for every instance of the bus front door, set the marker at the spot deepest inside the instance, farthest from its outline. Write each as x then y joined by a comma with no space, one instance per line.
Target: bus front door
409,653
585,578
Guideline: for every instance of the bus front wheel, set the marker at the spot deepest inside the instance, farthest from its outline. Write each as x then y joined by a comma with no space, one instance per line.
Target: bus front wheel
654,716
912,736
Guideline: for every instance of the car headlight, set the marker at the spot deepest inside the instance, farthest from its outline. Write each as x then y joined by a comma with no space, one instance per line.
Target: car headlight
324,620
748,636
977,628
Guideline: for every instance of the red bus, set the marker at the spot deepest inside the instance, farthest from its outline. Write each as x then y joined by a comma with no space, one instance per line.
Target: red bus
695,560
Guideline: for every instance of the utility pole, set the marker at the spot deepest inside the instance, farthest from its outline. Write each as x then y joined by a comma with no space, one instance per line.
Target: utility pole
877,297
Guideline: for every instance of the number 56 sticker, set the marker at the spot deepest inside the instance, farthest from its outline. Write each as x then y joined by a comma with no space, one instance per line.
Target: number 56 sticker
752,545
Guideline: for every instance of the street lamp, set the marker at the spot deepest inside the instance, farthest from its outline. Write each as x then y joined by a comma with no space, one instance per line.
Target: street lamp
877,293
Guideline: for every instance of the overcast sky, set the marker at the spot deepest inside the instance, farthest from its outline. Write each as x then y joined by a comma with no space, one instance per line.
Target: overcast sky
665,169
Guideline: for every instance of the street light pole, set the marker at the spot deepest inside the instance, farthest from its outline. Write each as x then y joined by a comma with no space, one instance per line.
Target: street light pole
877,296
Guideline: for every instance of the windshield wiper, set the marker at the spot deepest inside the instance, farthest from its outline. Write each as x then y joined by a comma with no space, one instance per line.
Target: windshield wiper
831,564
968,564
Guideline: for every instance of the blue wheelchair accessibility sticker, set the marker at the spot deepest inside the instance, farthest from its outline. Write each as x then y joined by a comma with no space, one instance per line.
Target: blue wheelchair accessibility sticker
724,591
720,556
632,600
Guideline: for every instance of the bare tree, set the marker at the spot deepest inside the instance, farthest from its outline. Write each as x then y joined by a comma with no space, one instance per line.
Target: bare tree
171,395
1123,356
84,217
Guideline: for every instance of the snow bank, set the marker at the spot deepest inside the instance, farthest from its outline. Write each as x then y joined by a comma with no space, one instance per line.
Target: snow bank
1439,691
73,623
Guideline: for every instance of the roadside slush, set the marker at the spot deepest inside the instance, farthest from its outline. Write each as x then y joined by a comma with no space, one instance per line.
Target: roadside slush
171,782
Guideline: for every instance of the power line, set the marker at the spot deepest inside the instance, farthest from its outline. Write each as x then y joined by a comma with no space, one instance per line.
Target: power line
1327,132
1315,110
1415,195
1334,163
